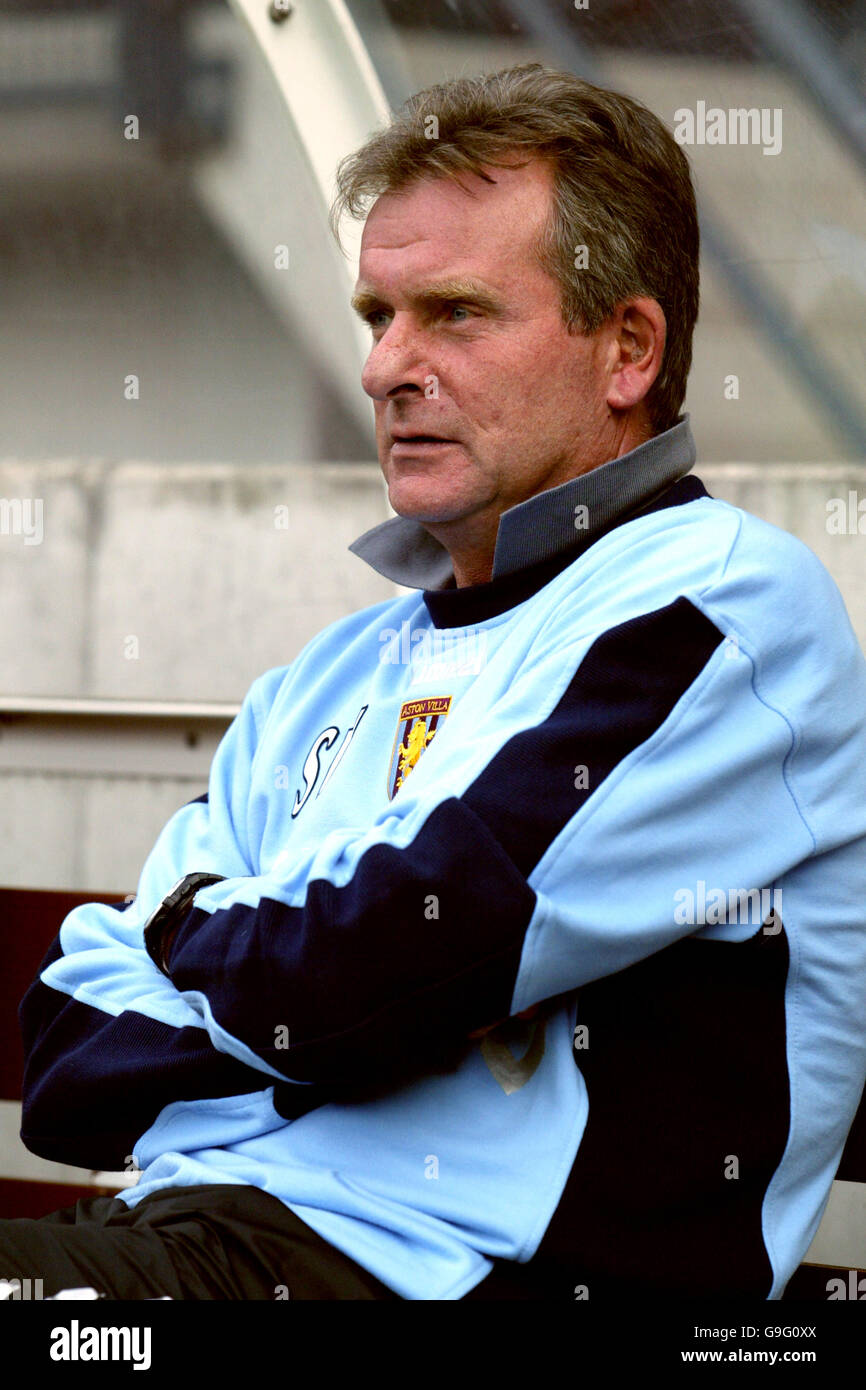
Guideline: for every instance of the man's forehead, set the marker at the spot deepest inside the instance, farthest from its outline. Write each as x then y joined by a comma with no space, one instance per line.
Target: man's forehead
437,224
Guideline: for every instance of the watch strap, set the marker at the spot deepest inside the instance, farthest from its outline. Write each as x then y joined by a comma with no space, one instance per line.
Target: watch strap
163,922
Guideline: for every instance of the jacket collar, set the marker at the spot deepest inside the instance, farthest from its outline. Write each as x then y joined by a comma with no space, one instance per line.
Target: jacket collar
564,519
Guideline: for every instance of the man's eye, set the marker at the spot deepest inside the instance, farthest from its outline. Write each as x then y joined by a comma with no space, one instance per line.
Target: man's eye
379,318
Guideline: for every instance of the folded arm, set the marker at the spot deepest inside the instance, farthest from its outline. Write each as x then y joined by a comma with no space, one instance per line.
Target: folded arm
557,862
108,1041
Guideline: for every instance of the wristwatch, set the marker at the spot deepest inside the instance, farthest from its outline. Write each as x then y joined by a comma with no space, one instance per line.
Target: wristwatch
163,922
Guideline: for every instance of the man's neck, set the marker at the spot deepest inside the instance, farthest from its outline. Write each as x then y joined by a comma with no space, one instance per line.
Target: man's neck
472,557
473,573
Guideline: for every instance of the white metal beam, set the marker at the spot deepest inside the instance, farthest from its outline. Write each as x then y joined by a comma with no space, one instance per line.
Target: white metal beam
333,101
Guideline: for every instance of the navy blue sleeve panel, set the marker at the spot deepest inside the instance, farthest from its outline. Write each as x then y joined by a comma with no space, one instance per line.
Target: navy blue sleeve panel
93,1083
357,975
624,689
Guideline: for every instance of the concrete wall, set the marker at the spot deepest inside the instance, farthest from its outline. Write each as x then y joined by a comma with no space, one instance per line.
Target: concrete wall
177,581
152,582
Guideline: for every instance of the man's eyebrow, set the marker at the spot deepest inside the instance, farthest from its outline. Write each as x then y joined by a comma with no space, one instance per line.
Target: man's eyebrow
364,300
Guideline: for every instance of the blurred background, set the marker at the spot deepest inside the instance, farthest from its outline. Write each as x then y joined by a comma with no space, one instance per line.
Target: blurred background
180,369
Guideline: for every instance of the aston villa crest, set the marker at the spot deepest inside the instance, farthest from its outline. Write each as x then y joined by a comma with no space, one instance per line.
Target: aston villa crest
419,720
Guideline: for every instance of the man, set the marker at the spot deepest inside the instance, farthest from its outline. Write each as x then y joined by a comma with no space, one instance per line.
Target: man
518,949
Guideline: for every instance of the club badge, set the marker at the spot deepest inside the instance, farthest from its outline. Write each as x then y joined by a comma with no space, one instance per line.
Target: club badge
419,720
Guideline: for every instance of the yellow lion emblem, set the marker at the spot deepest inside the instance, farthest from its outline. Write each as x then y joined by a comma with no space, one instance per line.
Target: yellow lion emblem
419,721
410,751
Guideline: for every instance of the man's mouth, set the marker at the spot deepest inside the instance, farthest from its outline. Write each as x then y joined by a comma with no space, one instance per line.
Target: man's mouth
414,440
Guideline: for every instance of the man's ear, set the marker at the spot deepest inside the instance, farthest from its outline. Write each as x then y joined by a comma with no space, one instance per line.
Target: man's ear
638,331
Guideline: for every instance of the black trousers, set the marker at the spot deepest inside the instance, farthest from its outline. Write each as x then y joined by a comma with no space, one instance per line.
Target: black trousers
213,1241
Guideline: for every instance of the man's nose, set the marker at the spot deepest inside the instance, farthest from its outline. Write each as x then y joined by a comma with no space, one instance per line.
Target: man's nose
397,361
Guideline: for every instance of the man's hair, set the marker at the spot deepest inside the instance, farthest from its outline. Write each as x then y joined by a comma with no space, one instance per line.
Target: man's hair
621,187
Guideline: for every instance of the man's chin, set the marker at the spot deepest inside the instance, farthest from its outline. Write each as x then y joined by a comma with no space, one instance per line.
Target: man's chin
426,517
422,505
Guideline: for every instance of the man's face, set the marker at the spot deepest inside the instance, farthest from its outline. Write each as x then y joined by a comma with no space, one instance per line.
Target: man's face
469,345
